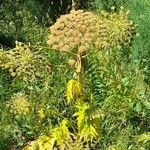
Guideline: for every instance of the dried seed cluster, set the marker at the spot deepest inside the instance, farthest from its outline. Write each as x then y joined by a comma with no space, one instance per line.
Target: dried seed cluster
25,63
19,104
81,30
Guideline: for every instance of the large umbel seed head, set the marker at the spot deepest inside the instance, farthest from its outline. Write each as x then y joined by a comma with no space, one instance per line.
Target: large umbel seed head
78,29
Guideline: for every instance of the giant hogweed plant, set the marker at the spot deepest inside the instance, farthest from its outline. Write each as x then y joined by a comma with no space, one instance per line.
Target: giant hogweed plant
81,34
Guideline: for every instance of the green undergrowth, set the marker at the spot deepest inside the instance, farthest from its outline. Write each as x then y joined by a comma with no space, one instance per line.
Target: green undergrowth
72,99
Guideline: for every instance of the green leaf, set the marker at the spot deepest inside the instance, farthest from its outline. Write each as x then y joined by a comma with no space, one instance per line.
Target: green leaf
145,137
138,107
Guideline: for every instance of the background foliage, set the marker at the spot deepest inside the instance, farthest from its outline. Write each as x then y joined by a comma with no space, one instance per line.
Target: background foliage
126,121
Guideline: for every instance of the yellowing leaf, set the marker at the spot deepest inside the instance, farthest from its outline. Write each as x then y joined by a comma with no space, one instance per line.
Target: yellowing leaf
81,116
28,147
88,127
88,132
74,90
42,143
61,133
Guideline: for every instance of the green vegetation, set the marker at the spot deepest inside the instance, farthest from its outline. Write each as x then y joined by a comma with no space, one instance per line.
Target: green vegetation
75,79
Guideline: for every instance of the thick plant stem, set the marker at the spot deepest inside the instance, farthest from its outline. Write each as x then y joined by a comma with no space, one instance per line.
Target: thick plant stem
79,71
79,68
73,4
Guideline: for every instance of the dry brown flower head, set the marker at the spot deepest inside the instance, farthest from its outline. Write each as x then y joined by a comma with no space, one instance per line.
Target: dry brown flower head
75,30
